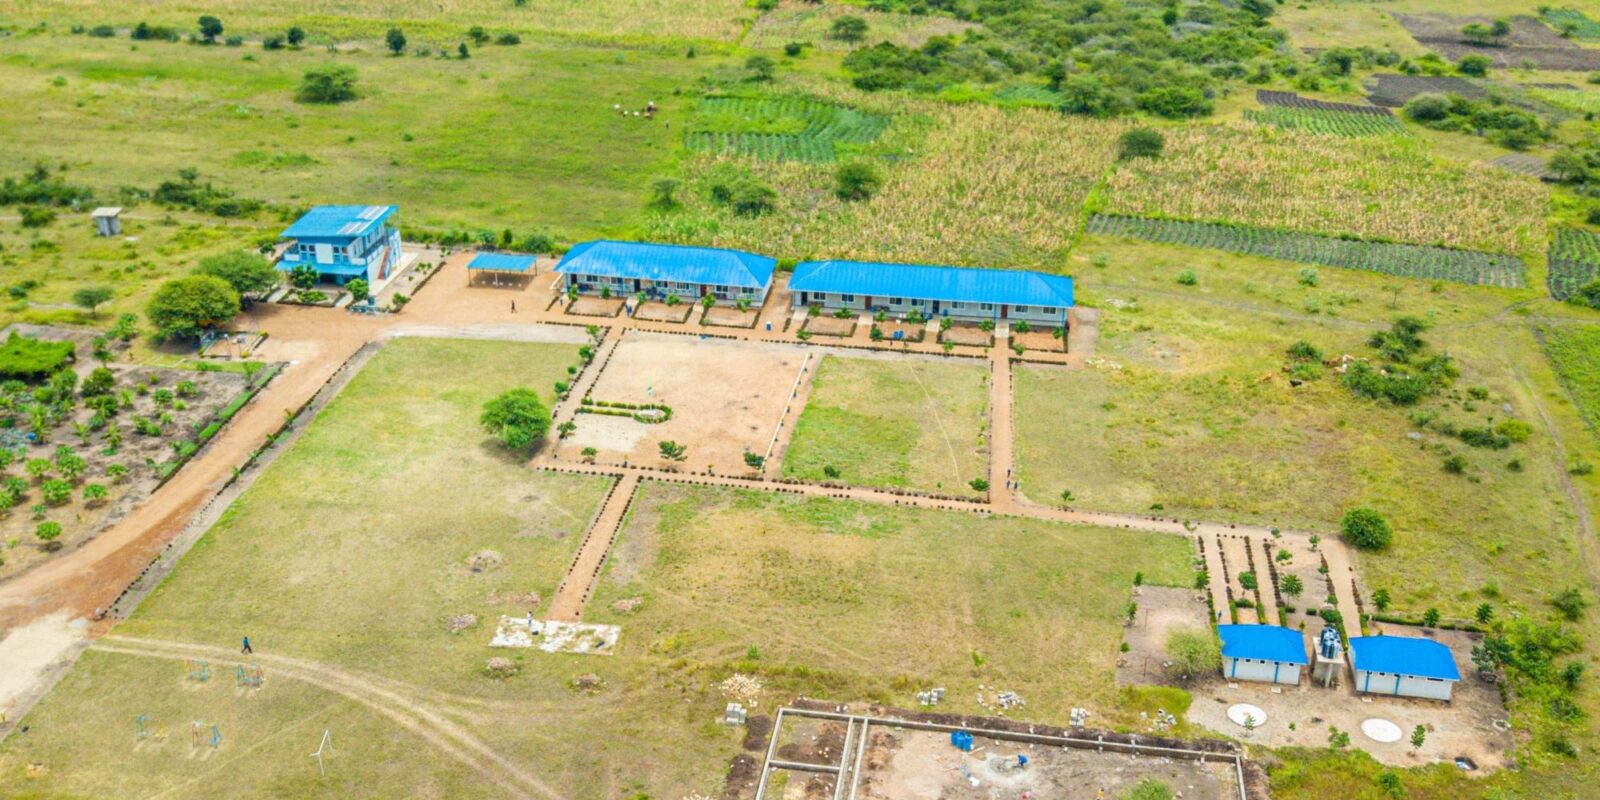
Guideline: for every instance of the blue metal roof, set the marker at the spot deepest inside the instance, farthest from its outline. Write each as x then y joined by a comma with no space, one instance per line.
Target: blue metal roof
952,284
338,222
665,262
1264,642
501,262
1404,655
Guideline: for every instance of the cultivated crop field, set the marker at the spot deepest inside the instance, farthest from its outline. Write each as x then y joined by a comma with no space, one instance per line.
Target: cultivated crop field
1574,261
1400,260
846,598
790,128
1571,19
800,21
1387,188
1326,122
1037,168
901,423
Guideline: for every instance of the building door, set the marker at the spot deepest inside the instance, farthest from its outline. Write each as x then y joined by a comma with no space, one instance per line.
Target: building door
1003,311
936,306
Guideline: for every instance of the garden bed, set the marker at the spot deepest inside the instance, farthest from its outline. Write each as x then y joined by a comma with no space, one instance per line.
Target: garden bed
1040,338
730,317
657,311
967,334
908,331
843,328
586,306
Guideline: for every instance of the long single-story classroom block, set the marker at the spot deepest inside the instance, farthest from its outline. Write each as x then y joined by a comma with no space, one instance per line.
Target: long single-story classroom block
1265,653
343,243
621,269
959,293
1404,666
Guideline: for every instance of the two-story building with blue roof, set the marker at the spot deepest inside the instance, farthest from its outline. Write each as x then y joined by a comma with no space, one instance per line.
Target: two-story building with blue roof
623,269
1264,653
343,243
959,293
1404,666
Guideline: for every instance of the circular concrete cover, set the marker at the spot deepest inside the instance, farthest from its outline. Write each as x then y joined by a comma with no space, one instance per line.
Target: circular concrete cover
1239,712
1381,730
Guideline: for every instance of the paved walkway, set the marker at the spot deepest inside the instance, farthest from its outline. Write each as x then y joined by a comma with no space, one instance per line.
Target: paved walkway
579,582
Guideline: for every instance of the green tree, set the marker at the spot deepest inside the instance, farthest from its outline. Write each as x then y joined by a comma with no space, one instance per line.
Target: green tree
848,28
358,289
1140,143
1570,602
327,84
38,467
1419,735
55,491
1366,529
856,180
1380,599
1291,586
1474,64
663,195
183,307
517,418
245,271
477,34
1484,613
1193,652
752,199
296,36
462,52
92,298
1430,618
761,68
754,460
672,451
395,39
210,28
1569,166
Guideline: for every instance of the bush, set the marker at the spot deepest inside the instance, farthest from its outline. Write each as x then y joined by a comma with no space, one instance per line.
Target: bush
1474,64
856,180
184,307
1193,651
1366,529
1187,278
47,530
1141,143
752,199
1304,351
517,418
37,216
22,358
330,83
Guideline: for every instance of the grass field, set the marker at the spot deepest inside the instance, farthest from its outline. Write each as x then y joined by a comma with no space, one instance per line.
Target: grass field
913,424
1388,188
1199,418
795,21
66,255
501,140
1574,351
876,601
442,23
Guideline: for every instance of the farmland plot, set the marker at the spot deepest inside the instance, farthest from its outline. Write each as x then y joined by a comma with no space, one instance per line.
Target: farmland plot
1394,91
1326,122
1571,19
790,128
1404,260
1574,261
1388,188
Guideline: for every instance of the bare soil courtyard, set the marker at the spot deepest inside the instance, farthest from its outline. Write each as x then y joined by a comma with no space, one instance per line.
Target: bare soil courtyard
726,399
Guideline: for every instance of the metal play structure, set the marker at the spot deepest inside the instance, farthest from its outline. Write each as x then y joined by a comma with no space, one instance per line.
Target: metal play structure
324,747
148,727
197,669
247,676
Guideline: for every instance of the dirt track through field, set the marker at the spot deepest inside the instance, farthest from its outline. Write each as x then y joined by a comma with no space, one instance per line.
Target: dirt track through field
578,584
391,699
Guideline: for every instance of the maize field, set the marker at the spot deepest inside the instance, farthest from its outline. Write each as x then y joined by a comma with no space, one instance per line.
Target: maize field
788,129
1387,188
1402,260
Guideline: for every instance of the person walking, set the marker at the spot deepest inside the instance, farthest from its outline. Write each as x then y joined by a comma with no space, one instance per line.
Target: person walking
513,306
246,649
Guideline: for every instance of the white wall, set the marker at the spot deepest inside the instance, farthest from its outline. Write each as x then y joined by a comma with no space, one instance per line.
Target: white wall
689,292
1250,669
1402,685
976,312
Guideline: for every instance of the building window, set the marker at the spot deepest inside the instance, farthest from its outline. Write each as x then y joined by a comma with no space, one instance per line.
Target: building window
1020,309
986,307
895,301
822,297
848,298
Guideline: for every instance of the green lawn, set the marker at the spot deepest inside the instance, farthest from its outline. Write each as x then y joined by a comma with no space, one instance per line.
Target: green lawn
505,139
901,423
842,599
1189,409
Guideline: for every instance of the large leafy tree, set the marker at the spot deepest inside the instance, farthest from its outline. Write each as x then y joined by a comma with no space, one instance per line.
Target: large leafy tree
1366,529
183,307
517,418
244,271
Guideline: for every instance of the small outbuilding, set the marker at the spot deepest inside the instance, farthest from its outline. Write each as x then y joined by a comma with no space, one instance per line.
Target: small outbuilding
1404,666
620,269
107,221
959,293
1265,653
500,266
